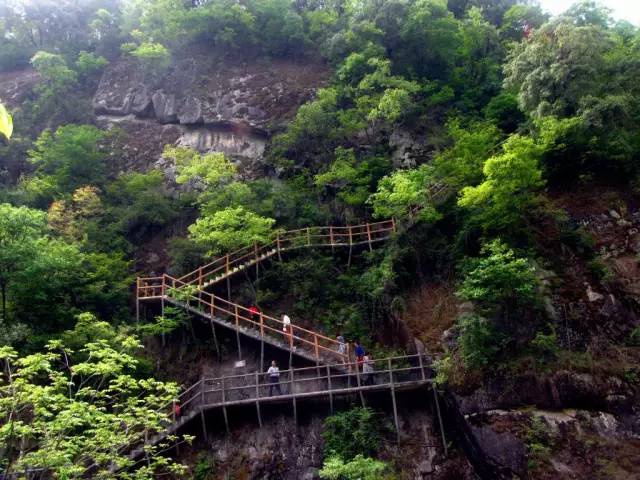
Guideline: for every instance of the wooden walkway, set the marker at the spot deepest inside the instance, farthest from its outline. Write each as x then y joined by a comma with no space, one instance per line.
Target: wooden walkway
189,291
391,374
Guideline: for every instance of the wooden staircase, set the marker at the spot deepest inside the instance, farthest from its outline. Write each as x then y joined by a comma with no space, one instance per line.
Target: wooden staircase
407,372
189,291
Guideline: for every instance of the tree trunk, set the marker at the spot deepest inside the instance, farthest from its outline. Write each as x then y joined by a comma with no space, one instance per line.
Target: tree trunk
3,293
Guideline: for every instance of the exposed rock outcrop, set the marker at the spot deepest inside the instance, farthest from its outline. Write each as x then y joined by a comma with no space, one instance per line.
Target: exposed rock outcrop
256,93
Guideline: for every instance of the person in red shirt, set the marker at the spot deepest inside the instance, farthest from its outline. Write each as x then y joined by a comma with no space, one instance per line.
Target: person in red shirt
254,312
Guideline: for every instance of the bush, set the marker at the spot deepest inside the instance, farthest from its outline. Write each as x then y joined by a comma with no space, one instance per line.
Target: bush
479,341
154,58
358,431
360,468
89,64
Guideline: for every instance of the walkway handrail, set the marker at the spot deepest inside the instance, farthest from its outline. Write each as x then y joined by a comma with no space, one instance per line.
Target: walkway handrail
387,368
289,240
210,304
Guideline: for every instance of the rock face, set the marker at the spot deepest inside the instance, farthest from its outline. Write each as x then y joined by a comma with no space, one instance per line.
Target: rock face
225,107
254,93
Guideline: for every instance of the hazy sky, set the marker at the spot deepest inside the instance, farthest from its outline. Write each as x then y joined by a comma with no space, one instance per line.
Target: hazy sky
622,9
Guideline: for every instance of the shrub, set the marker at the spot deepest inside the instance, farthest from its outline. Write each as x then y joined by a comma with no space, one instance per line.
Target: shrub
360,468
358,431
479,341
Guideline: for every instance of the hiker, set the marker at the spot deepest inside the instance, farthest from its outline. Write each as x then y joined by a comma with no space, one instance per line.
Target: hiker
342,347
274,378
359,351
253,312
367,369
286,328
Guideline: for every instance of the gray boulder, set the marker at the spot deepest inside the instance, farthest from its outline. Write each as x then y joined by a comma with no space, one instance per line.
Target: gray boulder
164,106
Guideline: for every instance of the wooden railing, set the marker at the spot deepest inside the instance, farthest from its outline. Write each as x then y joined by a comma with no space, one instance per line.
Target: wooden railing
221,267
295,337
338,378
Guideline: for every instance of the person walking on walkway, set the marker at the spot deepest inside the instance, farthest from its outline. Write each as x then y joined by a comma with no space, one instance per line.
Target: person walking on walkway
342,347
274,378
286,329
254,312
359,351
367,369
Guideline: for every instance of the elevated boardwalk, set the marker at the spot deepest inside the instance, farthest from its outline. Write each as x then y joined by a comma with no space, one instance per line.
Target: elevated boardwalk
393,374
189,291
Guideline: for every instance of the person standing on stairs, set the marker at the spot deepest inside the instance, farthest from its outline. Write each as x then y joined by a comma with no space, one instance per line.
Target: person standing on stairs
359,351
342,347
254,312
286,328
274,378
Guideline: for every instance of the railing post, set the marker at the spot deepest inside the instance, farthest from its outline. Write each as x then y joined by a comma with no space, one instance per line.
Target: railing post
261,324
331,235
424,377
308,237
350,235
236,316
315,339
200,277
293,395
393,401
330,390
258,401
369,236
227,264
393,224
278,246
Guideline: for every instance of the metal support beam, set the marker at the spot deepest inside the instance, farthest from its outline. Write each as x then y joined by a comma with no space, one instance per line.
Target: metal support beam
258,401
330,390
444,440
393,401
204,424
295,407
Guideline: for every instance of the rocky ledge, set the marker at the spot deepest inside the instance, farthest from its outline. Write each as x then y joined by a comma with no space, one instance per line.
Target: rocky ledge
259,94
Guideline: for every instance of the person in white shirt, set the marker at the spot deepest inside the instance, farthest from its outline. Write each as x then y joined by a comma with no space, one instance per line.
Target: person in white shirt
274,378
286,328
367,369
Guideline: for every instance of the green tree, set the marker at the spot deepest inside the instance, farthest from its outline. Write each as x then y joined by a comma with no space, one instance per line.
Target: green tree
461,164
499,280
510,186
353,180
69,158
213,168
230,229
20,228
70,417
405,191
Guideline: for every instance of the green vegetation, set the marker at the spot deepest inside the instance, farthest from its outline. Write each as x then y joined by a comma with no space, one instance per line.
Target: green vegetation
74,408
353,432
351,438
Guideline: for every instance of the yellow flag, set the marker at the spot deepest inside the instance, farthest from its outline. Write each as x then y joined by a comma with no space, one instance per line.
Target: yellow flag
6,123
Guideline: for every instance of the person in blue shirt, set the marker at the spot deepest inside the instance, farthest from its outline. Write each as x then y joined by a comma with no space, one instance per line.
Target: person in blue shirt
359,353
